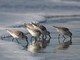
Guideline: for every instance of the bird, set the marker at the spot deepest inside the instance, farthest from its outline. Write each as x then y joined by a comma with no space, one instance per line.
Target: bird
38,45
65,45
64,31
16,34
34,32
42,29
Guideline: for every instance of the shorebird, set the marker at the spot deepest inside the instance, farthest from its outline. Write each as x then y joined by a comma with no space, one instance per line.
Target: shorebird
64,32
16,34
42,29
34,32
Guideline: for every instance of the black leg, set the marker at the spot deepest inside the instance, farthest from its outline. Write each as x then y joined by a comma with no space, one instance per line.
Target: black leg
59,38
35,39
42,37
64,38
27,43
31,39
12,39
70,40
39,38
45,36
17,41
48,34
49,38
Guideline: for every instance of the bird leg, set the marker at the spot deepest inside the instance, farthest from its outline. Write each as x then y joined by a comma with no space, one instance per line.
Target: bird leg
49,38
35,39
12,39
47,34
71,39
17,41
59,38
26,41
31,39
39,38
64,38
42,37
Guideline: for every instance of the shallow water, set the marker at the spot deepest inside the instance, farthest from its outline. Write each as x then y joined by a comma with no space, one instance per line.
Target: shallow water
14,13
